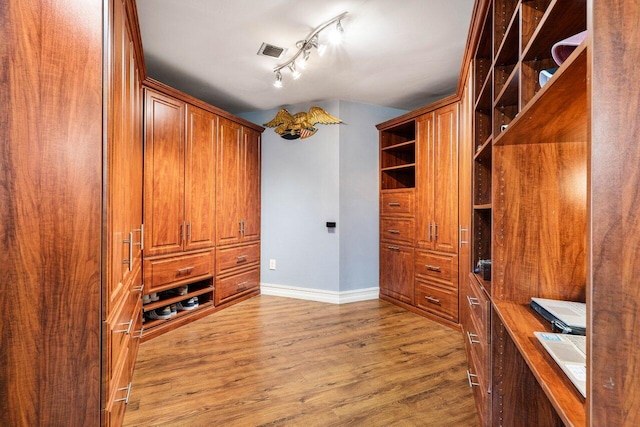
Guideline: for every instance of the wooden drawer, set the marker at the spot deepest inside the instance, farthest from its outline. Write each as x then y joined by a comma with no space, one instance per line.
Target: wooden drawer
164,273
478,306
235,258
397,230
400,203
232,287
437,265
441,301
479,383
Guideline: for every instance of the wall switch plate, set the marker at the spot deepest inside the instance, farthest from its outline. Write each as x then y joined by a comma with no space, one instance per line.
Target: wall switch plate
272,264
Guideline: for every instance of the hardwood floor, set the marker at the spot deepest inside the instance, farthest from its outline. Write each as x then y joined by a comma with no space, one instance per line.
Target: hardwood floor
281,361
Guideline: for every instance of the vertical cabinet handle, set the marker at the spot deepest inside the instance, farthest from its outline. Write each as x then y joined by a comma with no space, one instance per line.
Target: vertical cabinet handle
462,242
240,227
435,231
182,233
429,232
141,231
189,231
129,242
472,383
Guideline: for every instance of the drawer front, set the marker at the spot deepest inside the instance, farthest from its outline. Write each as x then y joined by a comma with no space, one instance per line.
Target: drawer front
441,301
397,203
231,259
165,272
436,265
236,285
397,230
479,383
478,306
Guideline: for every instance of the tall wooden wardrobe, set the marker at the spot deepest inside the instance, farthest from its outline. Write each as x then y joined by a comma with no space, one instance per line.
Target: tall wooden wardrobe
78,250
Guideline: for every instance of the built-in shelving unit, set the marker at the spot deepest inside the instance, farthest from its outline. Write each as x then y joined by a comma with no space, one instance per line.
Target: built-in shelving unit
398,157
529,204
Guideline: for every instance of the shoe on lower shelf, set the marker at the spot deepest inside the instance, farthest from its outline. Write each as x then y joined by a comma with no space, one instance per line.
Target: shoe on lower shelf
146,299
182,290
160,313
154,297
174,310
189,304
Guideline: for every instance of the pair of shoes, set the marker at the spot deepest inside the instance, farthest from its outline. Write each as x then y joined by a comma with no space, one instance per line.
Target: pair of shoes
146,299
160,313
189,304
174,309
154,297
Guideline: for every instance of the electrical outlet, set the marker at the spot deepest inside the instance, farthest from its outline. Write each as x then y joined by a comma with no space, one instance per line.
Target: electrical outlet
272,264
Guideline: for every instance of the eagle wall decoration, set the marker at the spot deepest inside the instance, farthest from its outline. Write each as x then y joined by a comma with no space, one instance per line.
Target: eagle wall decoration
300,125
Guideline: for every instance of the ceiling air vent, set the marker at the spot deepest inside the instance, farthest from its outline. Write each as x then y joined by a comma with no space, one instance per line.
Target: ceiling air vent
271,50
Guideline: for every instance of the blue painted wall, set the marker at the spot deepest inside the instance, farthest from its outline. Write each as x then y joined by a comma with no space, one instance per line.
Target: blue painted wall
332,176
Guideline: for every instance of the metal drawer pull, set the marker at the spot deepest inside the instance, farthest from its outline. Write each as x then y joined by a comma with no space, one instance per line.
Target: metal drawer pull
469,376
125,331
394,204
394,231
432,267
138,288
186,270
472,301
139,336
432,300
242,285
393,248
472,338
126,398
242,258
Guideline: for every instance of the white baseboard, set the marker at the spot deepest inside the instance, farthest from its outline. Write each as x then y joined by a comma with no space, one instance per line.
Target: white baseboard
319,295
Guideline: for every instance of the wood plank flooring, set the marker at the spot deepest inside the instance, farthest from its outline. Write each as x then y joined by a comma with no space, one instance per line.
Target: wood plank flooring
279,361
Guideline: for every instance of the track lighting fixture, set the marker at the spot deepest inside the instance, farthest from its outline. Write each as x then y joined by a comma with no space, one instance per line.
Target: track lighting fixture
304,49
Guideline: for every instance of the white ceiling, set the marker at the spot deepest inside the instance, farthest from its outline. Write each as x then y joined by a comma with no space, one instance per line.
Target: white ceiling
395,53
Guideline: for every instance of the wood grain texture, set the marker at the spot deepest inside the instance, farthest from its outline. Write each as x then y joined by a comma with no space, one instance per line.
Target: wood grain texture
200,178
164,158
278,361
540,201
397,271
228,183
51,202
614,254
250,199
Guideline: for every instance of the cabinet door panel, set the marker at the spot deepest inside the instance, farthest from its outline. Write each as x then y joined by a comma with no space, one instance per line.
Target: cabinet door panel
228,183
164,174
424,184
251,185
396,272
445,179
200,158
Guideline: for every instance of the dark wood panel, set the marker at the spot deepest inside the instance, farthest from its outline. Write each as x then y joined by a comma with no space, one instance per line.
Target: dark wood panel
614,268
540,222
250,201
228,174
51,198
200,178
163,174
397,271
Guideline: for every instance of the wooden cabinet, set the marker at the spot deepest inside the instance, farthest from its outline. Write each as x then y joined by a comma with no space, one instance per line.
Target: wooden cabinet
437,179
419,210
238,189
179,175
124,229
396,272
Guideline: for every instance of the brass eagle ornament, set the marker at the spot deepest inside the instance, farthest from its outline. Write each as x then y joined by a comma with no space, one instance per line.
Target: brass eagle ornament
300,125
